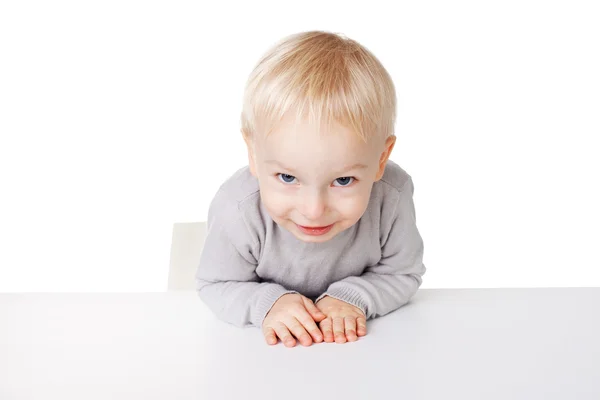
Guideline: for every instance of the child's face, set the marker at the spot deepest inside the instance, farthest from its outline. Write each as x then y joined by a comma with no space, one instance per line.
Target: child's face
309,181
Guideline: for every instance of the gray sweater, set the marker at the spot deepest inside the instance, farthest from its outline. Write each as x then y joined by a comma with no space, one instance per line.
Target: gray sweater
249,261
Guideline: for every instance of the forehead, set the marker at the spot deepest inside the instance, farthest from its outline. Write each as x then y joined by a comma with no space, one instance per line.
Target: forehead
300,140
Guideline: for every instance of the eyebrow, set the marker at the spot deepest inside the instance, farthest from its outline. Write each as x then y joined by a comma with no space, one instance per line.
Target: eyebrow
348,168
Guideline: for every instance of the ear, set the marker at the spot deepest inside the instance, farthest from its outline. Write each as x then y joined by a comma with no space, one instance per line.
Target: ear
385,155
250,148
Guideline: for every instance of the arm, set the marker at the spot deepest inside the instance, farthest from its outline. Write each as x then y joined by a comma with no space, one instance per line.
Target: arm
226,279
390,283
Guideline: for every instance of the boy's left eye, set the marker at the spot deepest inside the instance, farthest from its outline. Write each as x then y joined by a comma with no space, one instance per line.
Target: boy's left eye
344,181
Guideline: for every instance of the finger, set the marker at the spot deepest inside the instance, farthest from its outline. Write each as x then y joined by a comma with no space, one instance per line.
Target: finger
284,334
311,327
270,337
327,329
361,328
298,331
338,330
350,327
313,310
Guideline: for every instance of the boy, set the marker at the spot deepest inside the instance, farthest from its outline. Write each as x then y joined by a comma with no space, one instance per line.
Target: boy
318,233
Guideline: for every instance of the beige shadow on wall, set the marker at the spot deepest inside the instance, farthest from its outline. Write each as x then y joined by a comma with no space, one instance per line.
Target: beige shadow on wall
186,247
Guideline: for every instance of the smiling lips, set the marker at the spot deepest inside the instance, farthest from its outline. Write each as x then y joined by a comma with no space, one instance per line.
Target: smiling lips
315,230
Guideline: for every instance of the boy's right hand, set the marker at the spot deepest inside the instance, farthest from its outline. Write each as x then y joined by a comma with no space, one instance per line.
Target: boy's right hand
293,315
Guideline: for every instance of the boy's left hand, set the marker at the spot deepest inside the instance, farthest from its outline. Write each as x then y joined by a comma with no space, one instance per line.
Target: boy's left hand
344,321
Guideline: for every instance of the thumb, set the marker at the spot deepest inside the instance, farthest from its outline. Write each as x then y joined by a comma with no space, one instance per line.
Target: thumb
314,312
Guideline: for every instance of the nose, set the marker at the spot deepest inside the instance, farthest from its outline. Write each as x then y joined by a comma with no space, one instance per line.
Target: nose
312,206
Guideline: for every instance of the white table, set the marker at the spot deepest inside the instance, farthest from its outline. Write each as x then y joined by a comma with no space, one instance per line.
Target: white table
446,344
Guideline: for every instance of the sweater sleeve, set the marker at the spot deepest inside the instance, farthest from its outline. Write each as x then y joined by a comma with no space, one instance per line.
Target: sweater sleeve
226,280
390,283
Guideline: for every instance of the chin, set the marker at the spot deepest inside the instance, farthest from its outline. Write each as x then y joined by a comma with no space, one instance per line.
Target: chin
314,239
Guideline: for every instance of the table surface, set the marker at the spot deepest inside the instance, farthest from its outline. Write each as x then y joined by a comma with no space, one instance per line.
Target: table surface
445,344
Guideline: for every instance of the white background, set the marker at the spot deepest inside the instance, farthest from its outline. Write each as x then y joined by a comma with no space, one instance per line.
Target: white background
120,118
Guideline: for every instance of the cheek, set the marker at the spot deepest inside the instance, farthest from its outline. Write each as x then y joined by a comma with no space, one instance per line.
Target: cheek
276,203
352,207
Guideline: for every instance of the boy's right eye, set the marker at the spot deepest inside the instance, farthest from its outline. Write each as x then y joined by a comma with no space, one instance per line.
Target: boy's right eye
285,178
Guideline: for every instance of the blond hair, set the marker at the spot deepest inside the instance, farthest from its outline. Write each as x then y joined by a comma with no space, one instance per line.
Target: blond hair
324,76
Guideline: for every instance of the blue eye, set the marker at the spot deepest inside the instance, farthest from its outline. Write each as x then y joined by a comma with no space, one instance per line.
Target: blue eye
344,181
285,178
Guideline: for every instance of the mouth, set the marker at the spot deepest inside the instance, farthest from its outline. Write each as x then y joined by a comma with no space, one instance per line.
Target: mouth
315,230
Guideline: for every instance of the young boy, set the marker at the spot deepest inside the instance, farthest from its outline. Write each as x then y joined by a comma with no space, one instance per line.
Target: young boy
318,233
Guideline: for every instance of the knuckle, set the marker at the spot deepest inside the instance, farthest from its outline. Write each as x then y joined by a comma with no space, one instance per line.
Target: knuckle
297,308
292,323
308,322
266,328
305,338
297,330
